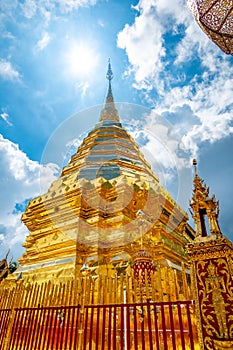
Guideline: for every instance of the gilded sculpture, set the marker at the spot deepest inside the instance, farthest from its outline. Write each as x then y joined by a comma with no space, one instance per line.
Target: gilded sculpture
215,285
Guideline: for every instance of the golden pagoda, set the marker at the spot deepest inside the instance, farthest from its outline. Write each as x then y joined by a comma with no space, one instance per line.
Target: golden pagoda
107,212
105,265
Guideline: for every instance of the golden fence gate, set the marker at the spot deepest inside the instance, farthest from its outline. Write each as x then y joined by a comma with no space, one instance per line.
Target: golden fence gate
145,326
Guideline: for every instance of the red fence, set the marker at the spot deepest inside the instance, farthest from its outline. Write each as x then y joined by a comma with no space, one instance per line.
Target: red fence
140,326
145,326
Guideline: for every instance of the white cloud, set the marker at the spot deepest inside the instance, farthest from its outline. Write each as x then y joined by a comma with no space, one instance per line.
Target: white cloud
82,87
101,23
29,8
70,5
200,101
209,98
147,43
144,40
143,44
163,148
43,42
8,35
5,117
196,44
6,5
71,148
167,8
21,179
7,71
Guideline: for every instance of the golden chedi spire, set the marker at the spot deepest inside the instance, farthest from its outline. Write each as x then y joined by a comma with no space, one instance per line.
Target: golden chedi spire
109,112
205,209
108,151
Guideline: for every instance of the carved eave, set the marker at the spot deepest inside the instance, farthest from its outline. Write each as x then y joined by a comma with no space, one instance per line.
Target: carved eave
209,247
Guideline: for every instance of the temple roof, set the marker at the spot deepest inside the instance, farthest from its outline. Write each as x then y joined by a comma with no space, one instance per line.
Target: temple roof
202,204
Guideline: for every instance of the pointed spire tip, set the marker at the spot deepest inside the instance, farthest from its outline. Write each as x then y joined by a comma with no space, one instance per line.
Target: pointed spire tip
195,166
109,74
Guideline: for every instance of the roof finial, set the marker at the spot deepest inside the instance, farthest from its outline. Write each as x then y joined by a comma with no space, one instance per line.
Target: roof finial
109,74
109,112
195,166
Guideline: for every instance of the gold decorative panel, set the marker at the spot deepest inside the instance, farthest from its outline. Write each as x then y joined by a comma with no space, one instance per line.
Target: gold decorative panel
213,289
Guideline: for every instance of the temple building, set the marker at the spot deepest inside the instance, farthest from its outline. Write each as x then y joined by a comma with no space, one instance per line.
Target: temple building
105,213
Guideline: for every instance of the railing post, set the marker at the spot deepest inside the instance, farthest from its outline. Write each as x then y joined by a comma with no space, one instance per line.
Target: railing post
15,302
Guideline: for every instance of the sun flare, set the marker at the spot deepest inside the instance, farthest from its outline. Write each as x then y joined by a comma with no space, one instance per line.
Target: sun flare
81,59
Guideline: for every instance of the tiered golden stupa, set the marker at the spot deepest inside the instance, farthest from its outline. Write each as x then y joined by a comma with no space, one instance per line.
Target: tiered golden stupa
106,212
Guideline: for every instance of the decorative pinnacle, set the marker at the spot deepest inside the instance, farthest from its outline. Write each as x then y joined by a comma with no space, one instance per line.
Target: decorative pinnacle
109,74
195,166
109,112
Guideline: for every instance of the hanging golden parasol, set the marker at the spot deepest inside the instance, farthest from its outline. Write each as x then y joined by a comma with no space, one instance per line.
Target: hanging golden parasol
215,17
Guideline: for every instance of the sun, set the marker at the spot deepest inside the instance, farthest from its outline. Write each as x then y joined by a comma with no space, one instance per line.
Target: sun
81,60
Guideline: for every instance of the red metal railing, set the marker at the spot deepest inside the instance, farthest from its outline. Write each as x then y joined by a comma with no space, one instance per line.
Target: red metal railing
145,326
45,328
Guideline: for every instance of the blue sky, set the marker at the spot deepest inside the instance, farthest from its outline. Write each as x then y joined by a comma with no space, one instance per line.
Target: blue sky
53,61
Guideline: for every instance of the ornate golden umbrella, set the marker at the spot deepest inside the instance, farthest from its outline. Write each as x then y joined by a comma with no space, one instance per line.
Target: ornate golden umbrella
215,18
